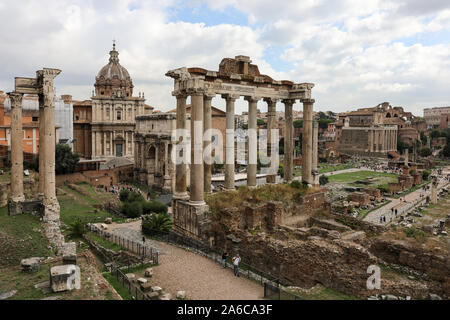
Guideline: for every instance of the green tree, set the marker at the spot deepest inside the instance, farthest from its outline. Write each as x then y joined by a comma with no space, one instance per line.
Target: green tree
435,133
65,160
260,122
425,152
423,138
426,174
401,146
132,210
298,123
157,222
446,150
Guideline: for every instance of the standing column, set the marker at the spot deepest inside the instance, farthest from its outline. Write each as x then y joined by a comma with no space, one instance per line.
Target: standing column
41,147
271,125
207,125
49,136
252,141
111,143
16,147
229,141
196,185
307,140
180,176
315,152
289,140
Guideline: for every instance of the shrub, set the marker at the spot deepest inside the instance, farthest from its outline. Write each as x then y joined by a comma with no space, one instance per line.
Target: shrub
132,210
157,222
134,196
426,174
154,206
77,229
123,195
414,233
323,180
425,152
296,184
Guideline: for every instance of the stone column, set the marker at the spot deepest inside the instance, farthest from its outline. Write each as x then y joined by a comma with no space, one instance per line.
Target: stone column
16,147
207,125
406,155
315,152
196,174
271,125
307,140
41,147
252,141
433,195
180,176
289,140
49,137
229,141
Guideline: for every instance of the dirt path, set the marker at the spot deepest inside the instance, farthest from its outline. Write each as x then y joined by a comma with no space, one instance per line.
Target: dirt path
200,277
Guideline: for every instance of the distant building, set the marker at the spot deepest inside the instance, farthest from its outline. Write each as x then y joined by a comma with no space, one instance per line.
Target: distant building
433,115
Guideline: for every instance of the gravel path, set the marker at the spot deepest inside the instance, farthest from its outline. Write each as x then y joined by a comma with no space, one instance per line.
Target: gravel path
200,277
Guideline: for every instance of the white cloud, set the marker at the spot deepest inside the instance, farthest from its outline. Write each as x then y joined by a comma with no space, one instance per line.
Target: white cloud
358,53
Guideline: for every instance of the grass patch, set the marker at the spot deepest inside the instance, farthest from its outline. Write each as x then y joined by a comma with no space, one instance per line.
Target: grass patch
121,290
352,178
103,242
20,238
320,292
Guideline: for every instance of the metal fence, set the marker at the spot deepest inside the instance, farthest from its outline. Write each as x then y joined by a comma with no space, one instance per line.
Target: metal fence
277,293
143,250
269,281
132,288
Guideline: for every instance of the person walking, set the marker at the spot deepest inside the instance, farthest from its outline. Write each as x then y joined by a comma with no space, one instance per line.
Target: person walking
236,261
224,259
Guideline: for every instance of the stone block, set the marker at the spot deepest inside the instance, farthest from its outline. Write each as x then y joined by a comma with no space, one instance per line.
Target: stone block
149,272
142,280
69,252
130,277
152,295
65,278
30,264
166,296
181,295
108,220
146,287
157,289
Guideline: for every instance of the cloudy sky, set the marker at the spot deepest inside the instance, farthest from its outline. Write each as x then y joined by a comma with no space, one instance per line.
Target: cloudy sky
358,53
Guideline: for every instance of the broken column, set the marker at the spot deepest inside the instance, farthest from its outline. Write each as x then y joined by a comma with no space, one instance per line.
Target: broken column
65,278
51,204
307,140
271,125
229,141
252,141
433,196
288,141
17,195
315,153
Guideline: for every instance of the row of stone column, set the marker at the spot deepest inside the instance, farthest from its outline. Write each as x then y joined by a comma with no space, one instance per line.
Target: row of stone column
47,141
201,113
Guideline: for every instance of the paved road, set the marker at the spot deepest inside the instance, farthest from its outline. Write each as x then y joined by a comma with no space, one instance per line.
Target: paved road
401,206
200,277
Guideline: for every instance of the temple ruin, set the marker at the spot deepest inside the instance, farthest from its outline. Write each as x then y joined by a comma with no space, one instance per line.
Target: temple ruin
235,78
42,85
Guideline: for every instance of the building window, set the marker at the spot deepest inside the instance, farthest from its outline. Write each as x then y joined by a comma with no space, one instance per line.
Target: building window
119,115
35,119
102,92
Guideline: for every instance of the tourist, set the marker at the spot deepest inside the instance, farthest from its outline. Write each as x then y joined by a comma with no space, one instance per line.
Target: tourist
224,259
236,261
384,219
381,219
143,240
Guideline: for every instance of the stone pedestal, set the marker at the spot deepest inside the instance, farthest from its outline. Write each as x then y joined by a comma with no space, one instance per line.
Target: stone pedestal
191,219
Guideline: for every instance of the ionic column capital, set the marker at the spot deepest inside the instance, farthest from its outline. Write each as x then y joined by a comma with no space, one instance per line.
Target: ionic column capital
271,100
231,97
252,98
288,101
15,98
308,101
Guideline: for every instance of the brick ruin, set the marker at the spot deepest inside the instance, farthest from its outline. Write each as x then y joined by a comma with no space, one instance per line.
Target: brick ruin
304,243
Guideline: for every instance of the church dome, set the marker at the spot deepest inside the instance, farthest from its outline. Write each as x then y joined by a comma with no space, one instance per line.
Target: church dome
113,79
